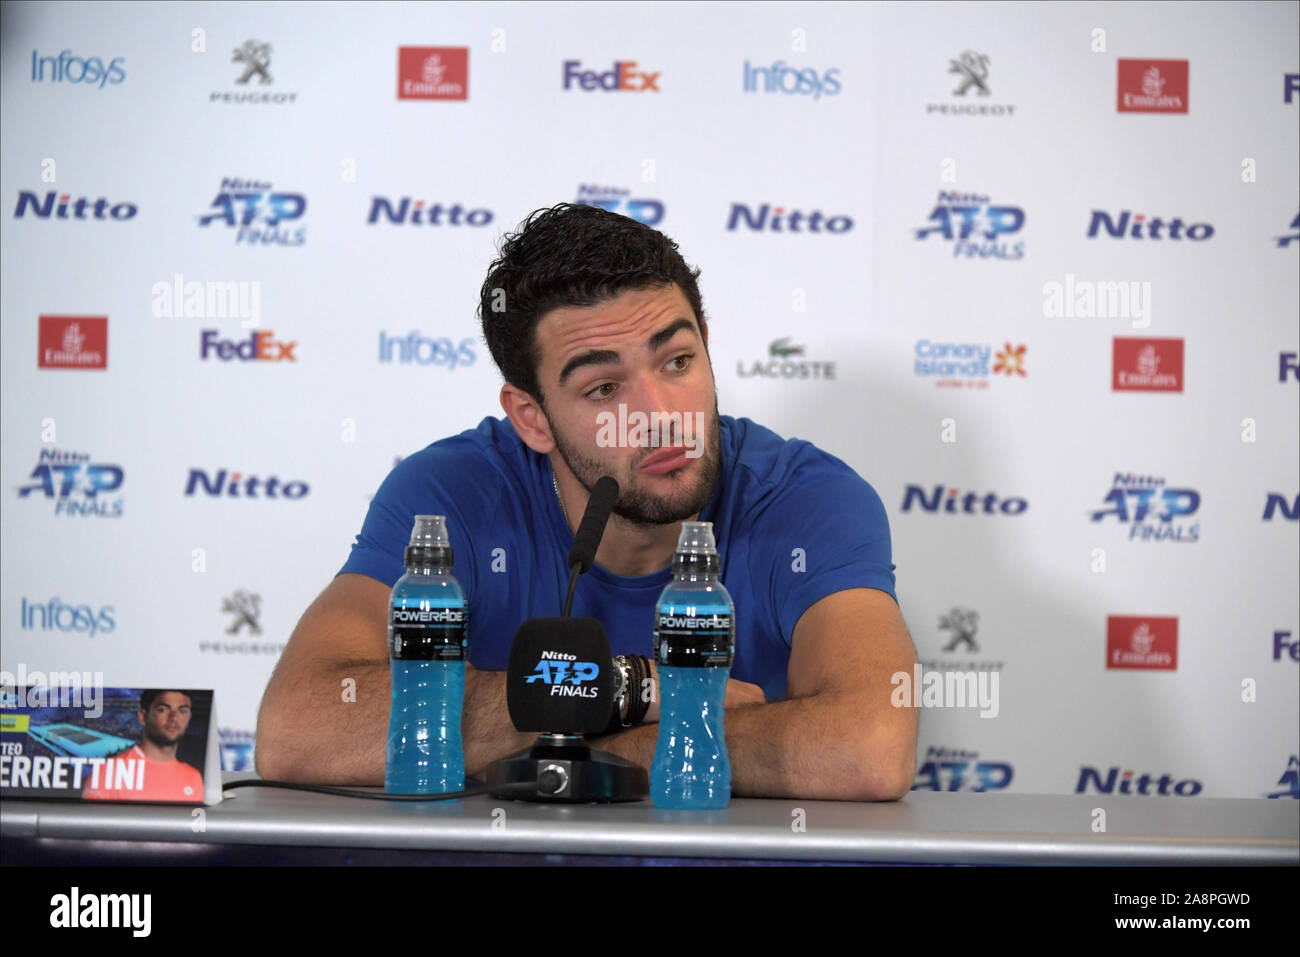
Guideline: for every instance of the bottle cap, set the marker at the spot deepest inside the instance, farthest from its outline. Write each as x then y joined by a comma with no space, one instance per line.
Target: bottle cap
429,543
430,530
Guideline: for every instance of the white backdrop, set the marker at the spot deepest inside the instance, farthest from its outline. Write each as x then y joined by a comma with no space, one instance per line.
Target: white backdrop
159,123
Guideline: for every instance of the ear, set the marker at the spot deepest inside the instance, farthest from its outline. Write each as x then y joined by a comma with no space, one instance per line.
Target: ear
526,415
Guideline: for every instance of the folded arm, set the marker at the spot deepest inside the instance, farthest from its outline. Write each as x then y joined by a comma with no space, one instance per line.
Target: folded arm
837,736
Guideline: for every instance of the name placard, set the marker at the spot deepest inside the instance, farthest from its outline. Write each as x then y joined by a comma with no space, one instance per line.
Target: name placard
79,741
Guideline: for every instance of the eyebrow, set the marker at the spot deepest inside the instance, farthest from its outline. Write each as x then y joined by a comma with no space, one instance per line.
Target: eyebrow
607,356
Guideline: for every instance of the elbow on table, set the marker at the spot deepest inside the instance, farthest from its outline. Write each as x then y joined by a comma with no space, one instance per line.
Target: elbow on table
888,769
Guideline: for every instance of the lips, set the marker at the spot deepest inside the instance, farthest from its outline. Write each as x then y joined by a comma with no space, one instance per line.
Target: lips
665,460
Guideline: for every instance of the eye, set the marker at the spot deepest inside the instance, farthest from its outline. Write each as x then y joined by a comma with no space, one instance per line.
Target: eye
682,362
603,391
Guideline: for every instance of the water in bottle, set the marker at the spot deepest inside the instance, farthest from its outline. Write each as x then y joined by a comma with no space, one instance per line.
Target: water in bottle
695,644
427,631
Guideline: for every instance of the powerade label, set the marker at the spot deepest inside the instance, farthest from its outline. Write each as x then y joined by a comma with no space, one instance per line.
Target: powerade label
695,636
424,630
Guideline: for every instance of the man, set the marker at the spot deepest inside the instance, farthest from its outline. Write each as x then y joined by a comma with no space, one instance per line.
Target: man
164,718
591,316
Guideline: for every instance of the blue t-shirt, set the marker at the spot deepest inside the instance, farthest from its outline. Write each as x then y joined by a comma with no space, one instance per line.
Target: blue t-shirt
793,525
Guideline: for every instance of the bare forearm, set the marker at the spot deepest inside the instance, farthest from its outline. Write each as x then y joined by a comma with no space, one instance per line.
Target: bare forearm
486,729
799,748
326,726
330,726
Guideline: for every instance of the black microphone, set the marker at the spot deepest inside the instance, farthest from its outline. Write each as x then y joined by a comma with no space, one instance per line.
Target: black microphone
587,539
561,683
560,679
583,553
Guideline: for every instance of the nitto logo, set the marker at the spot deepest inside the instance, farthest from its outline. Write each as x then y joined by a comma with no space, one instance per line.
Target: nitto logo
1130,225
775,219
1125,782
66,68
47,207
243,204
1152,508
1278,502
780,78
625,77
975,227
228,484
258,347
940,500
564,675
79,619
418,212
616,200
75,474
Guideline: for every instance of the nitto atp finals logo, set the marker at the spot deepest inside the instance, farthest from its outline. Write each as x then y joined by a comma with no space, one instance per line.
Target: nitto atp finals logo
1153,511
256,213
976,227
76,485
619,200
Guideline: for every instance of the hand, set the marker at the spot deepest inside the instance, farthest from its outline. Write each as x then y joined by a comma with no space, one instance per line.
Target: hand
742,693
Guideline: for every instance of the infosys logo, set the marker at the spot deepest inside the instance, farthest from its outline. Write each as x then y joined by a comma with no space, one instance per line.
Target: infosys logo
780,78
57,615
66,68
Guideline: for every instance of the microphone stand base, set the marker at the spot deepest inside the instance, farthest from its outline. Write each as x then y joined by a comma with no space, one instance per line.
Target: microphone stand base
564,769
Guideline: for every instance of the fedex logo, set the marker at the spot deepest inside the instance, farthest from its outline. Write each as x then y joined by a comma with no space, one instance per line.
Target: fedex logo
257,347
623,78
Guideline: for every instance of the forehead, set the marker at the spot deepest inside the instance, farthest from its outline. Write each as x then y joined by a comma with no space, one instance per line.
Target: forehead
626,321
173,698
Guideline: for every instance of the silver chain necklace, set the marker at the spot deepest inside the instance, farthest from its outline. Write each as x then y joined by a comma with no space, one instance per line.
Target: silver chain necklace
556,485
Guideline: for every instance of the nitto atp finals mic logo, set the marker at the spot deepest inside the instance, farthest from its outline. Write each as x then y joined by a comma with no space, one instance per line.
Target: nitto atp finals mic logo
565,675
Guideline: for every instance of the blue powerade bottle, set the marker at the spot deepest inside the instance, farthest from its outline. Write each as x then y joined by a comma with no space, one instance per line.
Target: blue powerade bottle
695,644
427,626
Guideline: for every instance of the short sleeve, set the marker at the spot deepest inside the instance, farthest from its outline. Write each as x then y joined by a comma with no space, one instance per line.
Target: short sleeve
835,536
412,488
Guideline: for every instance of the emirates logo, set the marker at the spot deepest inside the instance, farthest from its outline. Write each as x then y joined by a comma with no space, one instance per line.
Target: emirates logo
73,339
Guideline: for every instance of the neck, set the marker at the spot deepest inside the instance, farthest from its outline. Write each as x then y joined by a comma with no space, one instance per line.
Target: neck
156,752
626,548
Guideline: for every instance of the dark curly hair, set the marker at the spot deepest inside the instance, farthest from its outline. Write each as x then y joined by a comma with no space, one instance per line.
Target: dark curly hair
570,255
